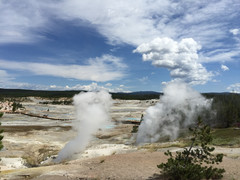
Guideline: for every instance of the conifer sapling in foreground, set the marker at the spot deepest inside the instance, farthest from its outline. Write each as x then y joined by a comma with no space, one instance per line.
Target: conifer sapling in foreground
194,162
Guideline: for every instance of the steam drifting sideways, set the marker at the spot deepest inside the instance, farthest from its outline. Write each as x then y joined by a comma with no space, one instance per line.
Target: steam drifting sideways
92,111
178,108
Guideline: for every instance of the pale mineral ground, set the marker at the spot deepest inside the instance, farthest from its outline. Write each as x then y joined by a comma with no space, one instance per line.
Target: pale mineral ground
31,143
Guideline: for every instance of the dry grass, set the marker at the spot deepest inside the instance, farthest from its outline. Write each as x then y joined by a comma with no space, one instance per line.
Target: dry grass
229,137
14,129
34,158
157,146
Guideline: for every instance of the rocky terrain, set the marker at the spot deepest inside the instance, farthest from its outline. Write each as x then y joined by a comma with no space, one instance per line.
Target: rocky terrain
31,143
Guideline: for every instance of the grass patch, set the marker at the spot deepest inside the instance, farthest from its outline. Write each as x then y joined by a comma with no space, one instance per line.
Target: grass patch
14,129
34,159
226,137
156,146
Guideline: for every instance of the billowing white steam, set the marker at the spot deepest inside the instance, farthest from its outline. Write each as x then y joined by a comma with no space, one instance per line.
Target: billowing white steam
178,107
92,111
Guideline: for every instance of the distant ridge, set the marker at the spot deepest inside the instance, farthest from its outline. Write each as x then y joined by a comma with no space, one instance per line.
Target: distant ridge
141,95
138,95
144,92
39,93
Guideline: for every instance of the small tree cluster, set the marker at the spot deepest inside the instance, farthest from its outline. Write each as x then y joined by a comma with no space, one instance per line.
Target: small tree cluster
1,131
226,106
16,106
189,163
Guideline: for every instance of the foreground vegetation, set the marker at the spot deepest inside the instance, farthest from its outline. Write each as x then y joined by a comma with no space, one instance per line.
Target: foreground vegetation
188,164
229,137
224,137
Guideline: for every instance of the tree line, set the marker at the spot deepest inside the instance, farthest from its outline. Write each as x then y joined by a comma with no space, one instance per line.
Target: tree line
226,107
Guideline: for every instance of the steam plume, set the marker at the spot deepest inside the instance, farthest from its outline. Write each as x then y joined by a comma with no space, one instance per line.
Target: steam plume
177,108
92,111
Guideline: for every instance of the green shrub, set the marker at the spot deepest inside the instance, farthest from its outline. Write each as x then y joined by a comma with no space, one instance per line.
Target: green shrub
134,129
188,164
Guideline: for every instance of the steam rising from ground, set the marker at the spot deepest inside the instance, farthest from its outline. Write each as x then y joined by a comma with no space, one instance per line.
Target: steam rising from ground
92,111
178,107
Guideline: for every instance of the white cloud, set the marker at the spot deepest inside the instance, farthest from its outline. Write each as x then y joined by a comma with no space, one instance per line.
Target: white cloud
92,87
101,69
108,84
180,58
141,21
224,67
234,88
234,31
136,22
9,84
7,81
4,77
19,21
53,86
219,55
131,22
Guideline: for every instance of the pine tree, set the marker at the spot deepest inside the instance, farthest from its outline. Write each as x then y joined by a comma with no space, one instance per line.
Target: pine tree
189,163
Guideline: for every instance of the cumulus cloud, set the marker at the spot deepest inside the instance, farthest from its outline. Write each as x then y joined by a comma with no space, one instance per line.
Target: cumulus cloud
234,31
101,69
96,87
234,88
180,58
91,87
224,67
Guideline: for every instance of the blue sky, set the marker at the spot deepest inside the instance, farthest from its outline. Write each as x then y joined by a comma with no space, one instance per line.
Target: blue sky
120,45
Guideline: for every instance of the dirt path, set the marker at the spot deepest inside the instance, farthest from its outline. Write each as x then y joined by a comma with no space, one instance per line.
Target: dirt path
135,165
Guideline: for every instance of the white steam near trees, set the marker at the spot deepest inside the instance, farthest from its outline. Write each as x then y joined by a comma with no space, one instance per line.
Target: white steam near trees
180,58
92,112
178,108
180,105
